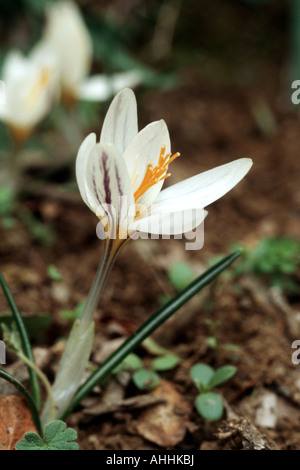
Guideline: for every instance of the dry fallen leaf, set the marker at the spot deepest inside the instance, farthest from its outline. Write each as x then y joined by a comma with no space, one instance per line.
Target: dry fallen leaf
15,421
165,424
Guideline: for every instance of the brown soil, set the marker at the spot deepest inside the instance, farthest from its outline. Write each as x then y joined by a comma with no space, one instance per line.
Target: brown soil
209,126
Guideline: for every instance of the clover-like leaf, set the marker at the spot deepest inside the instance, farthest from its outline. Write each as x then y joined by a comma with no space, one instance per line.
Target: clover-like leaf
56,437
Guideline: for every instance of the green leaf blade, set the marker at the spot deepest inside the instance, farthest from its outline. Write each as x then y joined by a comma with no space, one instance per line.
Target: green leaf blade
167,362
201,375
145,380
34,381
149,327
221,375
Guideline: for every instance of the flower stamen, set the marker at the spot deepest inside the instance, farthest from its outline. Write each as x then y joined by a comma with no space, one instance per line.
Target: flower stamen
156,174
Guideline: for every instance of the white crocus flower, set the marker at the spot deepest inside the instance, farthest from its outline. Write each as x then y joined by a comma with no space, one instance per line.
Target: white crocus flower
131,166
127,169
69,38
30,89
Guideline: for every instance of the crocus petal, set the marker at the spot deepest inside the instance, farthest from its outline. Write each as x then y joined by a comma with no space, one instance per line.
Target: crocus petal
69,37
102,87
83,155
15,64
145,148
201,190
31,87
171,223
107,184
120,123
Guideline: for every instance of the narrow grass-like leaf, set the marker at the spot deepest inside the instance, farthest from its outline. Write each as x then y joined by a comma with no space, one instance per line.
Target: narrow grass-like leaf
158,318
34,382
33,408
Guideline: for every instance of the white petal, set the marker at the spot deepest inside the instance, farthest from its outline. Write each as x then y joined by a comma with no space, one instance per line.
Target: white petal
15,65
145,148
120,123
201,190
102,87
68,35
83,156
171,223
107,183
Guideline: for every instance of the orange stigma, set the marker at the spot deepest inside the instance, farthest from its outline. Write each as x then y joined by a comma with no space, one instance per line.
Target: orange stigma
156,174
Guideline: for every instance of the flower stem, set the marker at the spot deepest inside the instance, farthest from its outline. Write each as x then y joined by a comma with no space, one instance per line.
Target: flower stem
79,345
110,252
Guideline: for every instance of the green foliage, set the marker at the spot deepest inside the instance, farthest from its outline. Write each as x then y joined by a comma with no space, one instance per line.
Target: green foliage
26,346
56,437
167,362
180,275
213,343
11,337
54,274
154,348
276,259
39,231
35,325
209,404
221,375
145,379
201,375
132,362
145,330
7,205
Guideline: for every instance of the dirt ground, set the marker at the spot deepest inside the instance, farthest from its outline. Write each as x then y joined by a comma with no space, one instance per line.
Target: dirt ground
209,126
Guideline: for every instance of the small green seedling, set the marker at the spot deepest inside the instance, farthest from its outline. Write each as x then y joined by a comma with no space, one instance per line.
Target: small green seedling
54,273
213,342
180,275
274,259
147,379
208,403
56,437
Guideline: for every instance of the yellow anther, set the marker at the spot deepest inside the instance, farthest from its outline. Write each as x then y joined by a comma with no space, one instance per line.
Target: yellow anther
156,174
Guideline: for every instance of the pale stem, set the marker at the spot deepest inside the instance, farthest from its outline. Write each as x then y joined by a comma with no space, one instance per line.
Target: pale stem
79,345
111,250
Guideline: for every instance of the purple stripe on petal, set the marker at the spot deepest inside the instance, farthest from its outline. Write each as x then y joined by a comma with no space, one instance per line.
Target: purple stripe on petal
106,178
95,186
